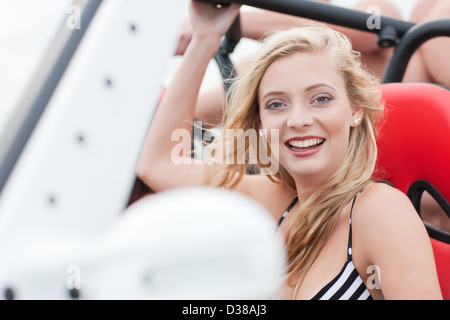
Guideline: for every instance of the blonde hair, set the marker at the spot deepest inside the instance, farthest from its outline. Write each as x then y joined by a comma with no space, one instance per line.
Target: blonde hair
316,218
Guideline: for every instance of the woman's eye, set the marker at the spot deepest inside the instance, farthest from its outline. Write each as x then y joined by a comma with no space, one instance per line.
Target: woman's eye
322,99
274,105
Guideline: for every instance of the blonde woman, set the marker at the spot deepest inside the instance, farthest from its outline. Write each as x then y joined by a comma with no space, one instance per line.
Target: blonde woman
347,237
256,23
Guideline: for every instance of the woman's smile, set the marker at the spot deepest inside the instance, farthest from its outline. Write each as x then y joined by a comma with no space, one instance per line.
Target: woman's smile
304,146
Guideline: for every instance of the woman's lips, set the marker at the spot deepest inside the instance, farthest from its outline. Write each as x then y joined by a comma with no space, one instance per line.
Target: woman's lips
304,146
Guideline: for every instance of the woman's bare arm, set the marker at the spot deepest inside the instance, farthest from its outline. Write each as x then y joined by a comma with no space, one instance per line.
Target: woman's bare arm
158,167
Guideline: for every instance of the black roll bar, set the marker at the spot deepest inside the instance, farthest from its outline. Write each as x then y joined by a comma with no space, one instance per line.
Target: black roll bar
412,40
222,58
328,13
405,36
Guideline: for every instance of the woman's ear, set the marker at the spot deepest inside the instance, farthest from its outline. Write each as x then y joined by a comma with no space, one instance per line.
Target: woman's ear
357,116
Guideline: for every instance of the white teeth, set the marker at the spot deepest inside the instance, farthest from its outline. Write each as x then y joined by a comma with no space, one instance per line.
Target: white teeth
305,143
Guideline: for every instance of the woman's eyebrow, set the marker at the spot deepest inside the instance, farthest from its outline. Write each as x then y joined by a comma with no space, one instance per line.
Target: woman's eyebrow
311,87
272,93
314,86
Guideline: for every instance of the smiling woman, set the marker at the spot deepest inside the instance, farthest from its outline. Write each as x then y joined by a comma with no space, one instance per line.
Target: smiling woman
302,85
309,86
305,101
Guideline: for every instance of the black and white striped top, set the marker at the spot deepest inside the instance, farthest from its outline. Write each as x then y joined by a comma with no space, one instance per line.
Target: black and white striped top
347,285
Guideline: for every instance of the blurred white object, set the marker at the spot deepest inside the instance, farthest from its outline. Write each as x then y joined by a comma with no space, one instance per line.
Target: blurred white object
63,232
200,243
187,243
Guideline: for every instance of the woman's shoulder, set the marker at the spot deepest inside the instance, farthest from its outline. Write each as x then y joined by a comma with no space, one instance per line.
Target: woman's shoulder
381,204
388,233
255,185
274,196
380,190
385,217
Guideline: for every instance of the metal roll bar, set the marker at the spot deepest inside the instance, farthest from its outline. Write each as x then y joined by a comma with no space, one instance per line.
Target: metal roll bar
405,36
412,40
226,47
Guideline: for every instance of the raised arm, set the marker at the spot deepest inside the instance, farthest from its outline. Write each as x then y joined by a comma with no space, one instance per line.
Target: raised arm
174,118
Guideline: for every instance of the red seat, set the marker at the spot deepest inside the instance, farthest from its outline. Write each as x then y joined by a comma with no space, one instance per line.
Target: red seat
414,144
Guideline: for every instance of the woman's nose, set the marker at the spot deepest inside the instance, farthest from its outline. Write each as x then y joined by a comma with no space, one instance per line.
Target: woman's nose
299,116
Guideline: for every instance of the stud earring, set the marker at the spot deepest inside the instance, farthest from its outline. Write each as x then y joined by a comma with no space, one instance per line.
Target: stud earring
356,121
261,133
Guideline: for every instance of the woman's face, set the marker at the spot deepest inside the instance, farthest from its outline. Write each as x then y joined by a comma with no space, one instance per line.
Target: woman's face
305,99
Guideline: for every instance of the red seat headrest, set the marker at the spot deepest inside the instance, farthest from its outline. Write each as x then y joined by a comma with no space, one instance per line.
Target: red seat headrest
414,144
414,139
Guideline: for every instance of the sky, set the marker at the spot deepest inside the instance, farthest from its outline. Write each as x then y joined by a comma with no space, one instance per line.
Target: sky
27,28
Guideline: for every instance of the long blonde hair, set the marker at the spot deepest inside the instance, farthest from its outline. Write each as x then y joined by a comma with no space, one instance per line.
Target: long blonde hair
316,218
